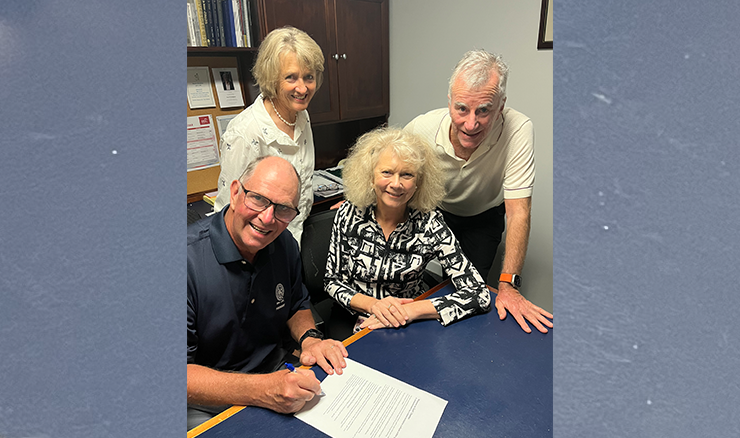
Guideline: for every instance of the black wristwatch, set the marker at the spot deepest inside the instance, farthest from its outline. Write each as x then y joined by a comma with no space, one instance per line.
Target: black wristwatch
310,333
512,279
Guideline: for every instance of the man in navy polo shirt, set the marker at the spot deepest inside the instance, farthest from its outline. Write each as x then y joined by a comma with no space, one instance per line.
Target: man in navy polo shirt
245,293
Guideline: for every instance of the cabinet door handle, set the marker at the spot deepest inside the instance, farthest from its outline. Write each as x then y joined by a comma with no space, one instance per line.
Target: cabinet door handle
336,56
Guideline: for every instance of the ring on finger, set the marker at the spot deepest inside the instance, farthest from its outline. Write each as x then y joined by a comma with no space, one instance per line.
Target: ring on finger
389,306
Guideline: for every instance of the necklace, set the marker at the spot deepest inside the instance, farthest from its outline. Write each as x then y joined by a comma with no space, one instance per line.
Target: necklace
281,117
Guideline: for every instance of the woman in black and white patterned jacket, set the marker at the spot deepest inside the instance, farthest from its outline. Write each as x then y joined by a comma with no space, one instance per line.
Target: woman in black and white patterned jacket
389,230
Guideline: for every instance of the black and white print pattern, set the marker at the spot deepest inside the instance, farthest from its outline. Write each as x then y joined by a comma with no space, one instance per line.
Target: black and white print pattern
361,261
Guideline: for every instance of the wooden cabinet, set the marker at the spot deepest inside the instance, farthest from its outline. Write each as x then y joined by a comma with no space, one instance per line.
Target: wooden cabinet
353,35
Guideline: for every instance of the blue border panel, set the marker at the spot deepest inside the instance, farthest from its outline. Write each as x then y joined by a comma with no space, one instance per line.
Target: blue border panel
93,251
645,231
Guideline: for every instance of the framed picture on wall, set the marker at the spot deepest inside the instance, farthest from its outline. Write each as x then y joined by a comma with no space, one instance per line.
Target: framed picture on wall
544,40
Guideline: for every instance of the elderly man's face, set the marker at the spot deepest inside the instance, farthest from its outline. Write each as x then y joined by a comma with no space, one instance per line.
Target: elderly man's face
251,230
473,112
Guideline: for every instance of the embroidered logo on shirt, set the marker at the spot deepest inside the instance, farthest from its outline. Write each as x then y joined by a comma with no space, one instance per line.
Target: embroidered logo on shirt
280,295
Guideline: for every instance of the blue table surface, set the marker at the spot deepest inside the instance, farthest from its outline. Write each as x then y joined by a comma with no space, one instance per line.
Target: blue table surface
496,378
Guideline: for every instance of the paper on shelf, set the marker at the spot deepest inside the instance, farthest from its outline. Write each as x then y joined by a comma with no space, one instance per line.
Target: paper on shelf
202,145
223,123
200,94
228,89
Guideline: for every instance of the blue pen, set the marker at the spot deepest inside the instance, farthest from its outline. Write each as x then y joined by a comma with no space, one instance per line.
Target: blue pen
292,369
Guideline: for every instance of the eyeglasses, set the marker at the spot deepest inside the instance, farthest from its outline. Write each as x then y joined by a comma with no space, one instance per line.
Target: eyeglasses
257,202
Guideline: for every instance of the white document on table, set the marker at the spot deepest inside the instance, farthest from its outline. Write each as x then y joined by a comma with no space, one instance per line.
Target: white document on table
365,403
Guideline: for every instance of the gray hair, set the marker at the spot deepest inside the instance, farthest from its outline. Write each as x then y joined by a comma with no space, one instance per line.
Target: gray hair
476,67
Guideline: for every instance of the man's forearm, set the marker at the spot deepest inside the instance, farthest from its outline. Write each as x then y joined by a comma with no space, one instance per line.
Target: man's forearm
280,391
301,321
517,239
517,236
207,386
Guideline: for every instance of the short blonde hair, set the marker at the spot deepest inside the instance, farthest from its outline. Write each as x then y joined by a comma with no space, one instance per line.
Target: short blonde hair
359,169
288,39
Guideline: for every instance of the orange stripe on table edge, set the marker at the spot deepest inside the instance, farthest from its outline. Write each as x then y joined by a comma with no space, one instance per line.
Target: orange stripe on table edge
214,421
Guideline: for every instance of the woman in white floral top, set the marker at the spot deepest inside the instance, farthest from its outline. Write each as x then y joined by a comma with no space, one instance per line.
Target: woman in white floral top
289,71
389,230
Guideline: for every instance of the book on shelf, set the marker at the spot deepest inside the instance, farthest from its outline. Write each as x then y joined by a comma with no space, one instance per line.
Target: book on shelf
195,29
239,22
215,23
208,19
247,22
220,23
201,22
191,26
229,25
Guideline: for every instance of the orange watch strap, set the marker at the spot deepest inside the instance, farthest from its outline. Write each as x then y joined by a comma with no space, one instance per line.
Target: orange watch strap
506,278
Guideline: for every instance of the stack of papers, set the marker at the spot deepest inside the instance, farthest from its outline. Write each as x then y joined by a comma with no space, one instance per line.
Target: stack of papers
326,184
210,197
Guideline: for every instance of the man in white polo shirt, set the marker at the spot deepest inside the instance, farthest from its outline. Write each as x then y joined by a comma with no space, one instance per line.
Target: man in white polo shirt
488,156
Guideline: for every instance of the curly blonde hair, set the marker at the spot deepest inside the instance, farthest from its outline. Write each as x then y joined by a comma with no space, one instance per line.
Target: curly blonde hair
288,39
358,172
